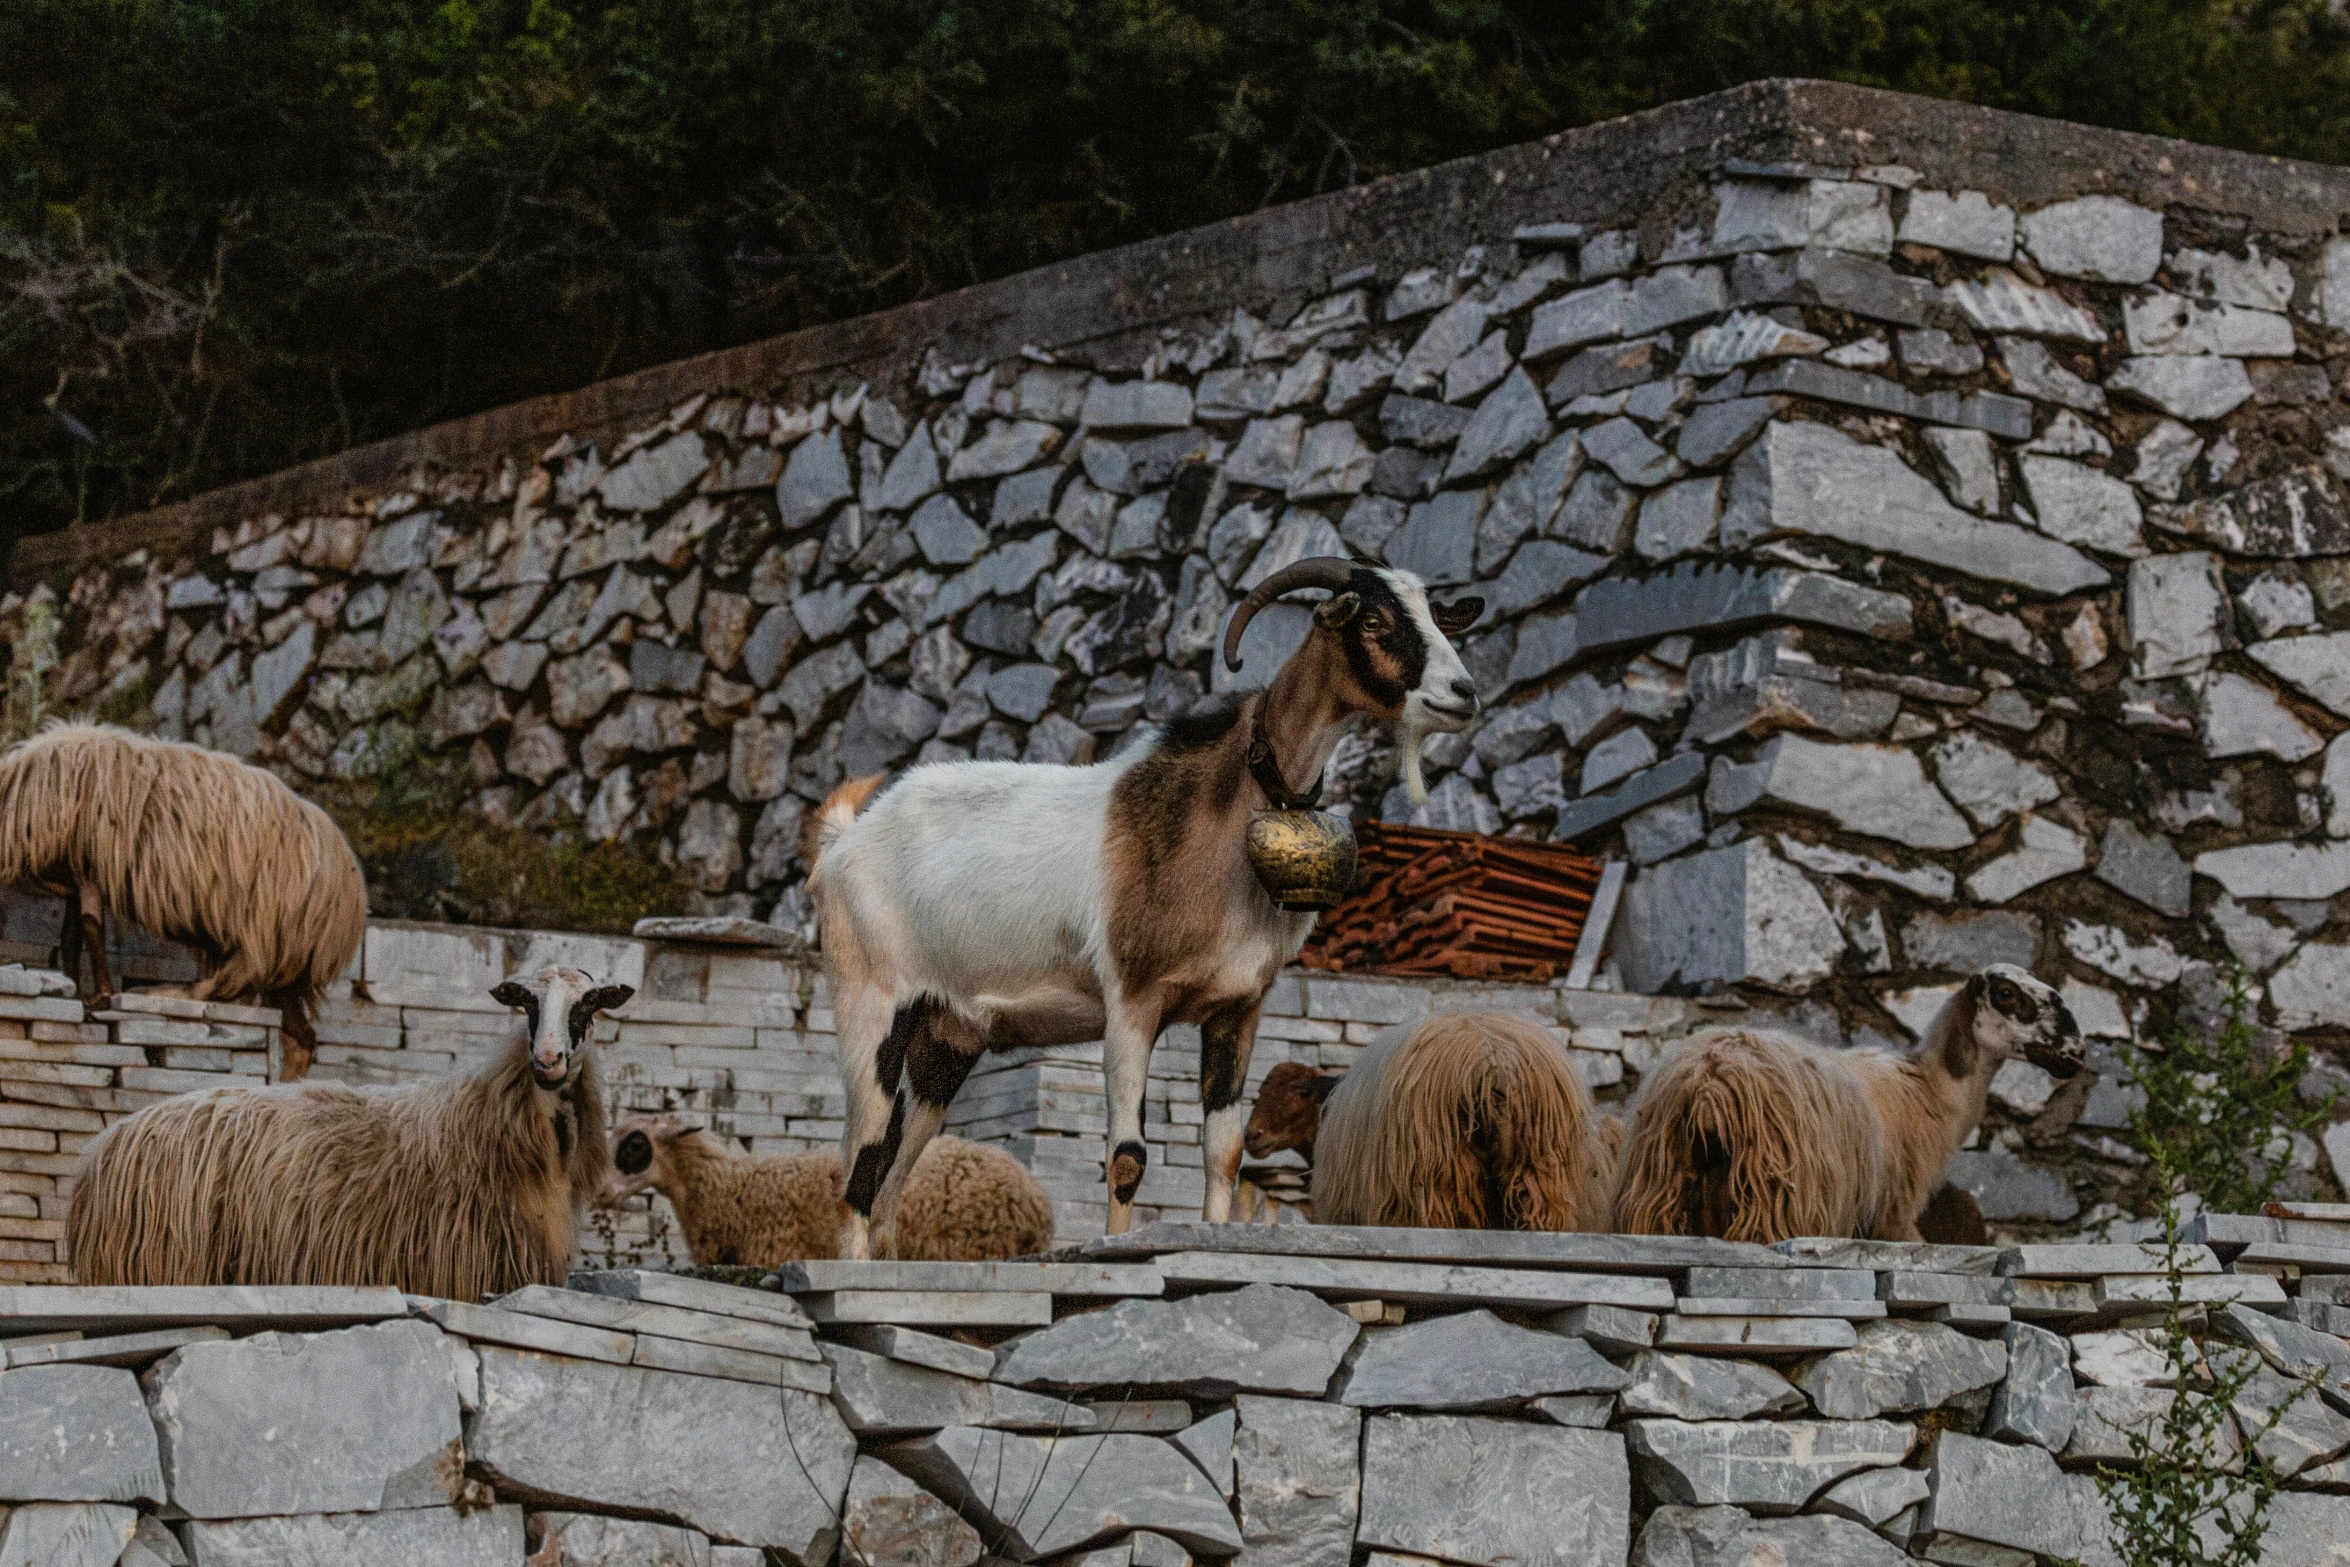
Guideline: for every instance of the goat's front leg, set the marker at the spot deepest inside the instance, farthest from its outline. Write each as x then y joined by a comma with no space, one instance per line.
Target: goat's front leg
92,911
869,1141
938,1056
1227,1038
1126,1067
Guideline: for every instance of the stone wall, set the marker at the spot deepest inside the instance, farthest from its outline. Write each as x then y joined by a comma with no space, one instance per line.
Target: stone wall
1290,1396
1912,534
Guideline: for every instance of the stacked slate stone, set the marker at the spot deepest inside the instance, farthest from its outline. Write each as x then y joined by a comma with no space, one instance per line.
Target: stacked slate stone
1290,1395
1904,577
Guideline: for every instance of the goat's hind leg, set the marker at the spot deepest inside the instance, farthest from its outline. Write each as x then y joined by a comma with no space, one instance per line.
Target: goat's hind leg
1126,1066
1227,1038
870,1139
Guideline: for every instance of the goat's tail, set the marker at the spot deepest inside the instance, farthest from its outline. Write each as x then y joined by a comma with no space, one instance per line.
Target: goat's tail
832,818
1473,1121
1749,1137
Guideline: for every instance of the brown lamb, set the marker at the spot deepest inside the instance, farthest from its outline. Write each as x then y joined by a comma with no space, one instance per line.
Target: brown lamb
964,1201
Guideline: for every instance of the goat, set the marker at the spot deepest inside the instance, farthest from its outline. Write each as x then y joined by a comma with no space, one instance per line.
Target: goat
458,1187
198,848
1760,1137
993,905
1469,1121
965,1201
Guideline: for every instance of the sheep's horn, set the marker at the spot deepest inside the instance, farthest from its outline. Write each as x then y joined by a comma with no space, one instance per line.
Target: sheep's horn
1323,571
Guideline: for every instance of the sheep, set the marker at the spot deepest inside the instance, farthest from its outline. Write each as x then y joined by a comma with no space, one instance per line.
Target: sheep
1761,1137
971,906
1467,1121
457,1187
965,1201
197,847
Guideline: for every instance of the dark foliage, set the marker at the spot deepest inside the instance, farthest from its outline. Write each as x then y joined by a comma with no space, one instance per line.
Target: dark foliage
236,234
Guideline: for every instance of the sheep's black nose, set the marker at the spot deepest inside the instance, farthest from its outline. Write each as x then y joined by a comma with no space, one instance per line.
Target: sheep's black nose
1466,690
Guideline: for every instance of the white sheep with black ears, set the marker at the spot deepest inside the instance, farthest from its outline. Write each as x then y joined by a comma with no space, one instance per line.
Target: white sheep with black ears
979,905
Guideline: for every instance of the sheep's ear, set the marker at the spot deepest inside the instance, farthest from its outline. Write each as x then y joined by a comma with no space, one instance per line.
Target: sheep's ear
633,1153
608,998
512,993
1960,1048
1458,616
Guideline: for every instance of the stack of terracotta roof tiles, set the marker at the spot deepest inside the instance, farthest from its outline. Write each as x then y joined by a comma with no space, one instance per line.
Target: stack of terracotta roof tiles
1458,903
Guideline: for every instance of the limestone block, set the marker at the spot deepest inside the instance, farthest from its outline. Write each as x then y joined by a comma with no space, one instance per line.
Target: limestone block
1041,1496
592,1540
1490,1492
719,1455
1209,1445
1734,913
2035,1402
2082,506
1876,1497
2103,238
1999,1494
653,476
1299,1481
1471,1360
65,1534
876,1395
1772,1466
2046,849
1901,1366
2193,388
2318,666
1880,790
2002,302
1812,478
1966,222
1263,1338
76,1434
1693,1387
2312,989
351,1421
2242,717
2179,614
889,1521
413,1537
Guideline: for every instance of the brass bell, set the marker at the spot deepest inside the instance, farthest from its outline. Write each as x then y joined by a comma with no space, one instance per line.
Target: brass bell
1305,860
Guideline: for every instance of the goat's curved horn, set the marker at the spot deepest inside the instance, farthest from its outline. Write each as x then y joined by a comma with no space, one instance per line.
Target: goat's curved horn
1323,571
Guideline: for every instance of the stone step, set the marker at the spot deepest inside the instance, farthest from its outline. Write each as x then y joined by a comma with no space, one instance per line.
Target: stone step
670,1289
731,1365
1735,1306
126,1349
129,1308
1422,1284
1488,1248
2066,1261
489,1325
931,1308
672,1322
916,1348
1051,1278
1755,1335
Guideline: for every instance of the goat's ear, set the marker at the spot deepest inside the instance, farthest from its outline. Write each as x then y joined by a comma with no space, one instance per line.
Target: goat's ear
633,1153
1337,610
608,998
1456,617
513,993
1317,1087
1960,1048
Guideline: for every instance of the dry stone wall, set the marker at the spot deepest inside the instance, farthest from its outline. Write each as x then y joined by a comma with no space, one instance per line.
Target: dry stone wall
1913,536
1290,1396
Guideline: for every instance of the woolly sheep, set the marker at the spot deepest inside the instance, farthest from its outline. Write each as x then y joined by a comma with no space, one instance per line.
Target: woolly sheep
456,1187
198,848
965,1202
1466,1121
1761,1137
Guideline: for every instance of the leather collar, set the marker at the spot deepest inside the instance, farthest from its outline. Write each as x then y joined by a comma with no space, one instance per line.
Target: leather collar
1263,767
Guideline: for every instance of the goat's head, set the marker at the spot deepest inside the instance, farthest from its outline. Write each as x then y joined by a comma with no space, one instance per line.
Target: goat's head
559,1005
1396,661
643,1154
1288,1111
2005,1011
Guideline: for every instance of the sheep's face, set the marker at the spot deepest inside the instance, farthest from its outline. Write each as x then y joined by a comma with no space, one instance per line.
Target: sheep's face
1288,1111
2017,1014
559,1006
640,1157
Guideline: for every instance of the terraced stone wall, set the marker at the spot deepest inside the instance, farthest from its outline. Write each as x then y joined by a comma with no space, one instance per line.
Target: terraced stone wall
1913,535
